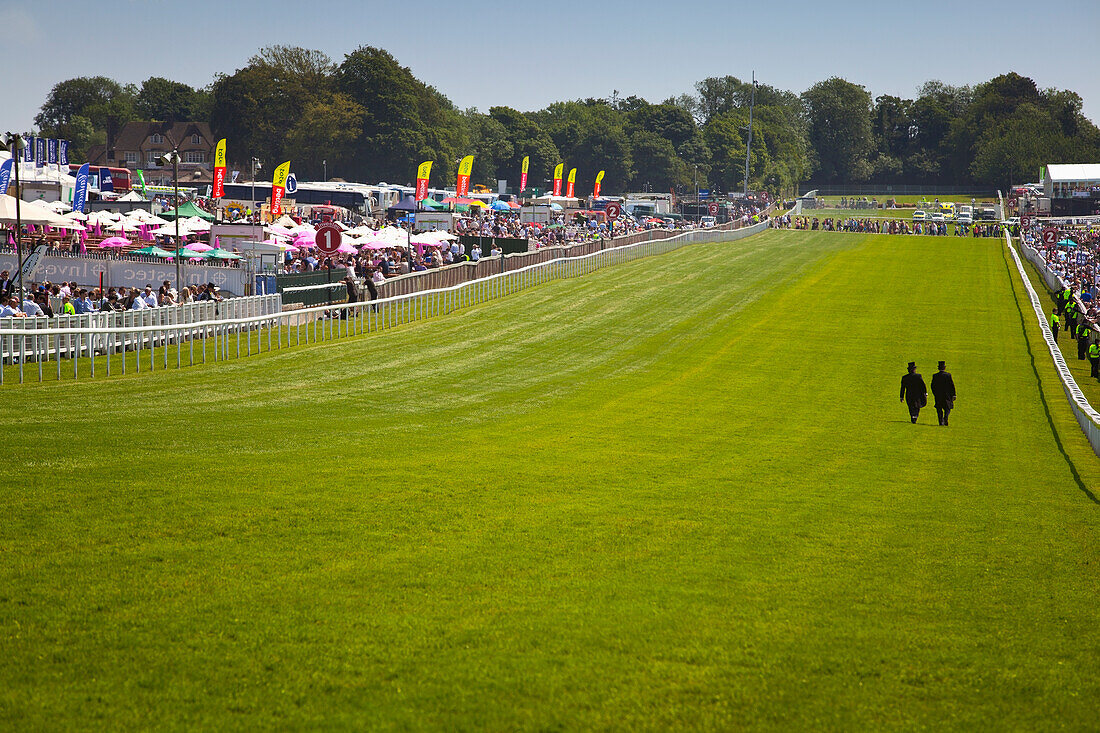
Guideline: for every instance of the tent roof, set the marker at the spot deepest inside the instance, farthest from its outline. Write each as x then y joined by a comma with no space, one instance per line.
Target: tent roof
406,204
188,210
1073,171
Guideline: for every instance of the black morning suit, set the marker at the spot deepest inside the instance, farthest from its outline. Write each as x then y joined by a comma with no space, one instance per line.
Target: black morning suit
914,393
943,389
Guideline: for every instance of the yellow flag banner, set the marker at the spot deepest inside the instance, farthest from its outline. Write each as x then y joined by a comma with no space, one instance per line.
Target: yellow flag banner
465,167
557,178
596,189
219,170
523,173
423,172
278,188
572,180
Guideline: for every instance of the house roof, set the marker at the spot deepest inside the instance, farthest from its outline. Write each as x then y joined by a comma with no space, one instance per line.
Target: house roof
135,134
1073,172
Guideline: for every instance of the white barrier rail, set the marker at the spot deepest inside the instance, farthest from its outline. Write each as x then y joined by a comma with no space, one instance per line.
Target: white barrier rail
128,342
1087,417
39,346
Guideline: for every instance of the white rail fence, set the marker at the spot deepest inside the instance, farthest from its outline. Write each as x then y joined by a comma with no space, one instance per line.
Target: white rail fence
116,347
1087,417
39,346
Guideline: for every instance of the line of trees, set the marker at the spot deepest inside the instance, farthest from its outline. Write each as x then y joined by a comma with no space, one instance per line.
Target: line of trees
372,120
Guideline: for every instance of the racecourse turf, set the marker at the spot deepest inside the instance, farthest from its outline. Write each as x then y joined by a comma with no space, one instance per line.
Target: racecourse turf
679,492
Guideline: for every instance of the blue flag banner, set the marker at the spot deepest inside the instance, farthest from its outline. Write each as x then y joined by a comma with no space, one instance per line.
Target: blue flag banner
5,175
106,183
63,153
80,193
28,152
51,151
39,152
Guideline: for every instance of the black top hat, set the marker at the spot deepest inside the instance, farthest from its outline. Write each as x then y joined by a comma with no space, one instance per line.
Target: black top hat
912,365
942,364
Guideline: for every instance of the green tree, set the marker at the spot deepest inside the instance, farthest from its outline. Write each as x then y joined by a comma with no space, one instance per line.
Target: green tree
93,97
406,121
839,114
527,138
656,163
256,107
490,146
166,100
326,132
727,145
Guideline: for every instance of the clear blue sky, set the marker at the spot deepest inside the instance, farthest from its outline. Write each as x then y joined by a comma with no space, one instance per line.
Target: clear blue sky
527,54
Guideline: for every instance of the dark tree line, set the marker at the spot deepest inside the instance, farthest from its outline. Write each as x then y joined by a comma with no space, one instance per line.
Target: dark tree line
372,120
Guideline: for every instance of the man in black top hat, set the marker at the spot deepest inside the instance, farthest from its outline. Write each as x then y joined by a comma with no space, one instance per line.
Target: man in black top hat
943,389
913,391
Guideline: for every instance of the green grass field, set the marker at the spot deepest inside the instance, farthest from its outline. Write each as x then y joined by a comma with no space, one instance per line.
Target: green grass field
675,493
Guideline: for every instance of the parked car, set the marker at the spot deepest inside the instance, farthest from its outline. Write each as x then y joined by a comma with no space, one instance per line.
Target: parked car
988,214
965,218
708,221
937,217
919,215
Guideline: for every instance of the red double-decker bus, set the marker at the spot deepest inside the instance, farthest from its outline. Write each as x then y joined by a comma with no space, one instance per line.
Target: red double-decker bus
120,177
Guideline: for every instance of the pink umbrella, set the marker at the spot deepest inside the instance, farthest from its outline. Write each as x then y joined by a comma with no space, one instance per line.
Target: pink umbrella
346,248
114,242
198,247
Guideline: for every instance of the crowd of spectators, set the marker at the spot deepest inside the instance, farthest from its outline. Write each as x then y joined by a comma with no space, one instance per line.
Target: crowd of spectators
888,226
372,265
1075,258
68,298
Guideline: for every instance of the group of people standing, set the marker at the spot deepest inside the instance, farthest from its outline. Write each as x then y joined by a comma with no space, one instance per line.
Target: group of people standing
1077,326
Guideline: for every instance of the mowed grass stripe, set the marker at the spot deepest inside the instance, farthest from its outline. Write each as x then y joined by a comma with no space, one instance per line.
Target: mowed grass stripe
675,492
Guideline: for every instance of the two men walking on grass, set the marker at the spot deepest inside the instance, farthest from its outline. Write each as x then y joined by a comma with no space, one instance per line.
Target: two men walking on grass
915,395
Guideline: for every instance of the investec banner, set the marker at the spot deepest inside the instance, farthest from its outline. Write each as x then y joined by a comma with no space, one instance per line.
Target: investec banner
118,273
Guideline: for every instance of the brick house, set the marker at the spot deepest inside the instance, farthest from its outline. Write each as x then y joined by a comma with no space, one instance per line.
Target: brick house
139,144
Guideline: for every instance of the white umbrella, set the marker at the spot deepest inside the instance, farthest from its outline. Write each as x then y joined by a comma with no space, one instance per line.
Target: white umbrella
170,230
53,219
28,215
195,224
76,215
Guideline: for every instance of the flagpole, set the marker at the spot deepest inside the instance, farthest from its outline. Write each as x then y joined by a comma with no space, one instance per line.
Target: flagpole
18,223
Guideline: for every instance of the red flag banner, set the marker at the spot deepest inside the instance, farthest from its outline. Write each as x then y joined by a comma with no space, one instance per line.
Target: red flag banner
219,170
465,167
423,171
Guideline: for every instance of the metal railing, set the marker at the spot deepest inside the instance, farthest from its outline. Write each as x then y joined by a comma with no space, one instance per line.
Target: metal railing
39,341
134,342
1087,417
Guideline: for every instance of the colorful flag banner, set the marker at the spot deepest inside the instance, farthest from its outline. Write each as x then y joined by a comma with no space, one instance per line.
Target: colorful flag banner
51,151
465,168
106,183
596,189
423,172
28,152
278,188
572,180
141,182
557,178
40,152
63,153
80,193
219,170
5,175
523,173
